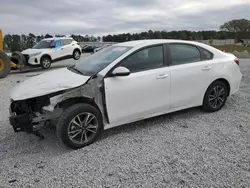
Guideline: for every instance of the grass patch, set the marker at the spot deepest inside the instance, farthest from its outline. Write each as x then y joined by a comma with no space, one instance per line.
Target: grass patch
231,48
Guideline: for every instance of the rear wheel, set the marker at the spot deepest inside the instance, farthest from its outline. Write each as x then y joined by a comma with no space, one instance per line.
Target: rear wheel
215,97
79,126
45,62
4,64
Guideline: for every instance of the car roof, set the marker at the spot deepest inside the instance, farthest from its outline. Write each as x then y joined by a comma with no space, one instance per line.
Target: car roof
148,42
152,42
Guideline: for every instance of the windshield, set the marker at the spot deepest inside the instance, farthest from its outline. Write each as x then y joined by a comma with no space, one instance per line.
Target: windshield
99,60
43,44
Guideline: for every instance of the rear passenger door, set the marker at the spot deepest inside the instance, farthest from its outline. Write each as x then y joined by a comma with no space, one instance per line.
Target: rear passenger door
191,73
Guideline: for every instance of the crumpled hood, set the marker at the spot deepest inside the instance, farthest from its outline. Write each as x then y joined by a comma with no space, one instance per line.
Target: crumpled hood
32,51
46,83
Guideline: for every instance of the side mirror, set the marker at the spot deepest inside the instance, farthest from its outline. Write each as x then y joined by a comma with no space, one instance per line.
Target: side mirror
120,71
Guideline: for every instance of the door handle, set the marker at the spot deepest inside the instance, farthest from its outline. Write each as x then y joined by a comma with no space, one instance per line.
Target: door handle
162,76
206,68
61,48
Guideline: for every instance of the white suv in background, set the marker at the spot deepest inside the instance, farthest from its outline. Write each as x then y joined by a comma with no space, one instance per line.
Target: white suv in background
51,50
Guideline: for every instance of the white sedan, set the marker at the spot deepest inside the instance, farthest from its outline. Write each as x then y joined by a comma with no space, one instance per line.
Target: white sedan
125,83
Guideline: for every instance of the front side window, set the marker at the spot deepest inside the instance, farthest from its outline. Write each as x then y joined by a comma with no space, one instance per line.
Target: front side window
145,59
44,44
99,60
184,53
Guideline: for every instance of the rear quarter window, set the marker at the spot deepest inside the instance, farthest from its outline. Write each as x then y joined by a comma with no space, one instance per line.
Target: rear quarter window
206,55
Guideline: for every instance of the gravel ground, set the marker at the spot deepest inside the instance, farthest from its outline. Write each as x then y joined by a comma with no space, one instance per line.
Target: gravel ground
190,148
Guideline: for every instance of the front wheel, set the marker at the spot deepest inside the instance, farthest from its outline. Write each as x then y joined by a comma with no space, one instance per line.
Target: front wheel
45,62
79,126
215,97
76,54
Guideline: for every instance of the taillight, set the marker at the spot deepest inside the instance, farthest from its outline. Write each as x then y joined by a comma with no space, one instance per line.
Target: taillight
237,61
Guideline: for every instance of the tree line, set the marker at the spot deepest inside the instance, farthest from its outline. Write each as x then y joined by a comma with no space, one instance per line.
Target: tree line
21,42
234,29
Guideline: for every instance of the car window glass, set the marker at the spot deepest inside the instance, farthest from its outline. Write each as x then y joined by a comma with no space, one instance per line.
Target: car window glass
98,61
149,58
206,54
56,43
66,41
183,53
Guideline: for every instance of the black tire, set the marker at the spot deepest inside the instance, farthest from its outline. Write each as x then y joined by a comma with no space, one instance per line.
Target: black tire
76,54
4,64
64,125
209,101
45,62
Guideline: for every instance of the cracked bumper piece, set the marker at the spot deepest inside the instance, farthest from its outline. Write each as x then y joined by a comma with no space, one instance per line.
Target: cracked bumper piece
21,122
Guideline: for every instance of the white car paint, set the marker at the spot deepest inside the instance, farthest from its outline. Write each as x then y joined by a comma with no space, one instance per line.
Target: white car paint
147,93
46,83
57,52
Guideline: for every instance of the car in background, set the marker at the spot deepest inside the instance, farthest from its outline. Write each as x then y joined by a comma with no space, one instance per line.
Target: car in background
88,49
100,48
50,50
124,83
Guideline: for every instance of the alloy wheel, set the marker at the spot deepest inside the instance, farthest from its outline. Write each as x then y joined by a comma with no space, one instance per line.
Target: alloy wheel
46,63
77,55
217,97
82,128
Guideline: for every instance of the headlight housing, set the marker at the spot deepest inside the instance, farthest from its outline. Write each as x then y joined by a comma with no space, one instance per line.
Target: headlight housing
35,54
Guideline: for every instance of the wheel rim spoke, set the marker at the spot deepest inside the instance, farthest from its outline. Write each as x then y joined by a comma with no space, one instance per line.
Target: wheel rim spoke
211,97
86,137
221,100
75,123
72,137
221,92
74,131
92,127
91,130
79,119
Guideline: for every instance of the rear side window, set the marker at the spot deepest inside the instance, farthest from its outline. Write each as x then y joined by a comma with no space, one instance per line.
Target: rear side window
206,55
67,41
184,53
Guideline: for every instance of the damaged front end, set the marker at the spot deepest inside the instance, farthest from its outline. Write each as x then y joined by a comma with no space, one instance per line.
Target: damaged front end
26,114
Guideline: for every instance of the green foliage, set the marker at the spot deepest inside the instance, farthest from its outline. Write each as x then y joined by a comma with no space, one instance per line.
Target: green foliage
238,25
184,35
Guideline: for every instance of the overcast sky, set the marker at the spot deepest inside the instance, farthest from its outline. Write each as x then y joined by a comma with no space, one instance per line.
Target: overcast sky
101,17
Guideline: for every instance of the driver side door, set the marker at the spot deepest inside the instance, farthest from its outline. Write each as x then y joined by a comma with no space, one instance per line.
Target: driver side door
144,93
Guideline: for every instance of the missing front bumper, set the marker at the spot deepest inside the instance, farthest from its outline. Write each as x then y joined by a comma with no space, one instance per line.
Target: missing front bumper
21,122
